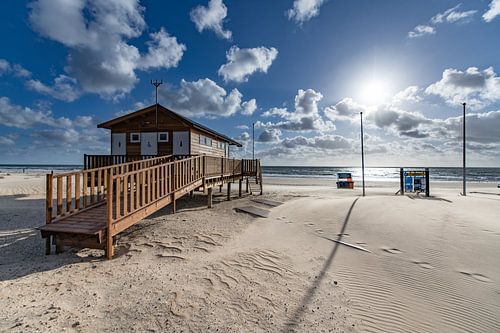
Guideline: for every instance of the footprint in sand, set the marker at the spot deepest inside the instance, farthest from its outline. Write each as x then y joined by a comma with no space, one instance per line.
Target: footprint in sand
320,231
344,234
423,264
477,276
309,224
392,250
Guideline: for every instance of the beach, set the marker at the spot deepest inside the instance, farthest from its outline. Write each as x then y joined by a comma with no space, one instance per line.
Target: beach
327,260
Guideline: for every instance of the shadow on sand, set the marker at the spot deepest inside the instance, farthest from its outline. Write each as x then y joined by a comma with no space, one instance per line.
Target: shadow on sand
22,249
311,292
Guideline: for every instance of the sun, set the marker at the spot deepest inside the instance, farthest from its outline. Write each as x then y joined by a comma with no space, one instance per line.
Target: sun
374,92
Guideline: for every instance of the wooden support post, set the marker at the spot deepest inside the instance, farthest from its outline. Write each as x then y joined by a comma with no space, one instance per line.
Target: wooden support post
229,191
47,245
109,217
239,187
174,203
59,246
220,188
48,209
248,185
209,198
191,194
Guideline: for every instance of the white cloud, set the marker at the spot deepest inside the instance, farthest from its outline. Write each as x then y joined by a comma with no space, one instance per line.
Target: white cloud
279,112
96,33
12,115
476,88
243,127
304,10
346,109
74,135
421,30
249,107
6,141
453,15
410,94
493,11
14,69
244,62
64,88
163,51
449,16
211,18
271,135
203,98
403,123
326,142
244,137
305,117
4,66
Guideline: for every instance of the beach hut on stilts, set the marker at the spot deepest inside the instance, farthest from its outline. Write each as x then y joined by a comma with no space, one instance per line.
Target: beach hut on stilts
157,156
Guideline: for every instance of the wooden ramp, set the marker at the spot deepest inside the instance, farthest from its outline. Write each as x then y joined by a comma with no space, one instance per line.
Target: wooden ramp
93,206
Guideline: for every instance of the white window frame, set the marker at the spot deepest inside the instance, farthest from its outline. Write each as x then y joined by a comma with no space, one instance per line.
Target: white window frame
222,145
132,137
160,133
206,141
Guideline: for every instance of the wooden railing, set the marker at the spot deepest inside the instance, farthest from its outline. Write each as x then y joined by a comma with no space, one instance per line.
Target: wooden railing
69,193
134,190
99,161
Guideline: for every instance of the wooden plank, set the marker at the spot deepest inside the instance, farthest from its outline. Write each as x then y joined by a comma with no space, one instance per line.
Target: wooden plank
252,210
84,193
125,195
118,184
48,198
267,202
143,191
135,217
132,192
99,185
59,195
77,191
109,219
92,199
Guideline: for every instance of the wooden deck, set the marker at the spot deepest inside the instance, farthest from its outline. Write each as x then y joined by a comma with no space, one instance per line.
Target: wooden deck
92,206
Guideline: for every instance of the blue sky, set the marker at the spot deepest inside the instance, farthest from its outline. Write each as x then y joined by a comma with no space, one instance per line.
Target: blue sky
302,70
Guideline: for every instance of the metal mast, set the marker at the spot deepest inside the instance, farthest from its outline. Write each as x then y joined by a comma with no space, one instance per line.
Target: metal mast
362,155
464,171
156,83
253,141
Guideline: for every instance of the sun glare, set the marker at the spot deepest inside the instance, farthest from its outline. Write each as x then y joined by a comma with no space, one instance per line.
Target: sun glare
374,92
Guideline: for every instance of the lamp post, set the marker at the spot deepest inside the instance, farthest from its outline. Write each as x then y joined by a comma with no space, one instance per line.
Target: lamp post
362,155
464,171
253,141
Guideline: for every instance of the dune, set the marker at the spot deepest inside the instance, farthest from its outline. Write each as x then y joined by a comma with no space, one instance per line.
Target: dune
430,264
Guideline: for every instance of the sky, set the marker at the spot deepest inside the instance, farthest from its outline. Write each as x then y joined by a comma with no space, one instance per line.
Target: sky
302,71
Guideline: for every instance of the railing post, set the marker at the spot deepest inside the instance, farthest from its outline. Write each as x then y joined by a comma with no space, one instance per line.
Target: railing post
109,220
48,208
204,165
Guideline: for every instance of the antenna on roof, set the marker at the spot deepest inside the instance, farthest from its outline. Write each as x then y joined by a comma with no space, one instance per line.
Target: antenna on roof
156,83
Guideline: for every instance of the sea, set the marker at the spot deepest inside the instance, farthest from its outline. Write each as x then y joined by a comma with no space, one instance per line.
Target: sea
371,173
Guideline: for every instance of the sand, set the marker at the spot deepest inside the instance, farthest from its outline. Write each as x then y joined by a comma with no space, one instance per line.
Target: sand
415,264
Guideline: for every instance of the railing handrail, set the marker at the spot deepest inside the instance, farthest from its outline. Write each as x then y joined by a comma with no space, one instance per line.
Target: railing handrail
128,173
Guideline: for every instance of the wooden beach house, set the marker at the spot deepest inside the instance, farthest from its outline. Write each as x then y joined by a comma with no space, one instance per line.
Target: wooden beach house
157,156
156,131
